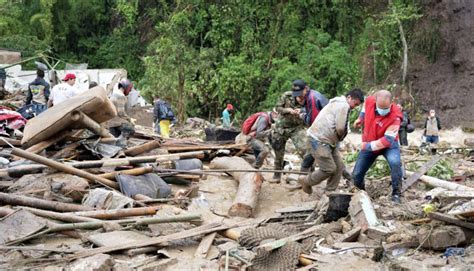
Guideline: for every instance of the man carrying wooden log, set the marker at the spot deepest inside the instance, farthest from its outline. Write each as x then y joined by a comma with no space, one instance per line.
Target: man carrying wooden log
328,129
257,127
381,119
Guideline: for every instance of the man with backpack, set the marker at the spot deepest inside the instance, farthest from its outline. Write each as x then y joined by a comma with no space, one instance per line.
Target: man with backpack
162,117
257,127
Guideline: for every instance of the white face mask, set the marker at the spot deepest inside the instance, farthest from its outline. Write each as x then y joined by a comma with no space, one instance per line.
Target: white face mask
432,115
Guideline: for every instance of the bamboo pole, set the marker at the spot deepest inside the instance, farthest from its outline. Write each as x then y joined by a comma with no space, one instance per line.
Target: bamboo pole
133,171
41,203
148,146
19,171
66,217
113,214
65,168
99,224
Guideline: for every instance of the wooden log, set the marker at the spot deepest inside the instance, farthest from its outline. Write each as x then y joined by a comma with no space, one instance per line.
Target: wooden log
19,171
444,184
146,147
250,184
114,214
39,147
66,217
203,248
90,124
4,211
9,141
451,220
423,169
65,168
41,203
100,224
133,171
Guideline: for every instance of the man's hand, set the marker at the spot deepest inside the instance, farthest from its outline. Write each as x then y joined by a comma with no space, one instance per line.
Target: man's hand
357,123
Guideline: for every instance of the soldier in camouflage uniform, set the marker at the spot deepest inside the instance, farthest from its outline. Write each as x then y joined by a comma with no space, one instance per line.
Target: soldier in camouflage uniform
289,124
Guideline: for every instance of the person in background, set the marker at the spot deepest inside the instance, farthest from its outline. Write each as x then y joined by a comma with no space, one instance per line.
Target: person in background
38,89
403,132
162,117
63,91
381,119
328,129
121,125
229,109
257,127
432,128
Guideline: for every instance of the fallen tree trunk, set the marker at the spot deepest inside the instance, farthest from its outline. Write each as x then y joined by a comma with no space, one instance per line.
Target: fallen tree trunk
113,214
19,171
443,184
250,184
41,203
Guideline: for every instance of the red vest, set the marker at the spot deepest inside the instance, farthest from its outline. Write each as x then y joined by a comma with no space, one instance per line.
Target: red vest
376,125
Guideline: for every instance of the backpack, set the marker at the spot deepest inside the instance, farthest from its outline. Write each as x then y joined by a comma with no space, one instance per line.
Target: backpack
166,112
248,123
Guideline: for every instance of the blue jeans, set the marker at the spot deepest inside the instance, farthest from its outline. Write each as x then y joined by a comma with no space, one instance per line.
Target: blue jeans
367,158
432,139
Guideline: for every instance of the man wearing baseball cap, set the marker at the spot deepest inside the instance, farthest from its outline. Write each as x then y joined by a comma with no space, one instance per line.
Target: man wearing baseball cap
63,91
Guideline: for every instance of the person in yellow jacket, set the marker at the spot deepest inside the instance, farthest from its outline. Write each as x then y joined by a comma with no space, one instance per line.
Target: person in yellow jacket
163,116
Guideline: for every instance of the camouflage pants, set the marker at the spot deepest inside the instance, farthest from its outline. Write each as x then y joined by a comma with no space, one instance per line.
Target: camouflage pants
260,150
278,138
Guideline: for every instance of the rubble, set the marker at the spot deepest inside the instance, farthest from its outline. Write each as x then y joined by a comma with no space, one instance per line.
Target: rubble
149,203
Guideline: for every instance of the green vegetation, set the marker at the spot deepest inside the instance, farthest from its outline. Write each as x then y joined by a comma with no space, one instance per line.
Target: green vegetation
200,55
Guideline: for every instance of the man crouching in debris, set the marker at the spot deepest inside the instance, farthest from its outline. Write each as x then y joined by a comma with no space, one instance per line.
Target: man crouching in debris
121,125
328,129
381,119
257,127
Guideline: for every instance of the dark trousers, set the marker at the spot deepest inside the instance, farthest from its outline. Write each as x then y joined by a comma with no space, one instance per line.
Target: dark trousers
367,158
403,136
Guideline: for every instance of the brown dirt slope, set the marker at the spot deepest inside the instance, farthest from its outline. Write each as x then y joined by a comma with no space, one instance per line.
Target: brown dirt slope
447,84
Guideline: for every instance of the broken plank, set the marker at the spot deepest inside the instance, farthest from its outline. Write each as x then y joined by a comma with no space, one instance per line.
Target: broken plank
203,248
451,220
351,236
420,172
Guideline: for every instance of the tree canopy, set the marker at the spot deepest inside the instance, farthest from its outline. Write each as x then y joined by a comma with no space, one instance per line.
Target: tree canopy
200,55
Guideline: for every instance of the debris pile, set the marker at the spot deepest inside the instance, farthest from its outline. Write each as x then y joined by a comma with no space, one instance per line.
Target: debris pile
75,196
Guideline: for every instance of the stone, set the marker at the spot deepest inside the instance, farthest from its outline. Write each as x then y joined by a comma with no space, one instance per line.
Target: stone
346,226
362,211
378,232
441,237
99,262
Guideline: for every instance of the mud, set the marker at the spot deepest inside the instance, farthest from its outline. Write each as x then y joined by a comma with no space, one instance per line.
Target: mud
446,85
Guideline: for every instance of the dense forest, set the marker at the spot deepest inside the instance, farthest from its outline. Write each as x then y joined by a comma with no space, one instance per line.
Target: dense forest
200,55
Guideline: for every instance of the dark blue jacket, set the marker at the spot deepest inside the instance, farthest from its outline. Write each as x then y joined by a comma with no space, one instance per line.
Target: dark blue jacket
38,82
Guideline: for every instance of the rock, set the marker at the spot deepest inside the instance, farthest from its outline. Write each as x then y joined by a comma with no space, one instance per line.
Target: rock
469,142
346,227
351,235
441,237
362,211
434,262
99,262
378,232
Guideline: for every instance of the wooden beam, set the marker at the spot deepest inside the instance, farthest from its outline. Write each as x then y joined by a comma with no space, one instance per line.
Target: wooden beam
420,172
451,220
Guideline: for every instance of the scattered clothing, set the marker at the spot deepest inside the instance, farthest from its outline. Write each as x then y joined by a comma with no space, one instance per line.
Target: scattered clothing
10,120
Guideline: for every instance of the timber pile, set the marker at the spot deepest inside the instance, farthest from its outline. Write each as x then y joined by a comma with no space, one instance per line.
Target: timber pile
107,199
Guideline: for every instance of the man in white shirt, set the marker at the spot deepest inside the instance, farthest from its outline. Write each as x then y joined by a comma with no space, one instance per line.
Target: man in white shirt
63,91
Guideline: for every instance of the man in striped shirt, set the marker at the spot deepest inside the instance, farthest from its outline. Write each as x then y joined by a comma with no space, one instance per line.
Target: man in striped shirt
381,119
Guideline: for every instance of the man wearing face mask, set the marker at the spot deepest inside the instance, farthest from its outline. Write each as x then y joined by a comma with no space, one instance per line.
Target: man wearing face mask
328,129
432,127
381,119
